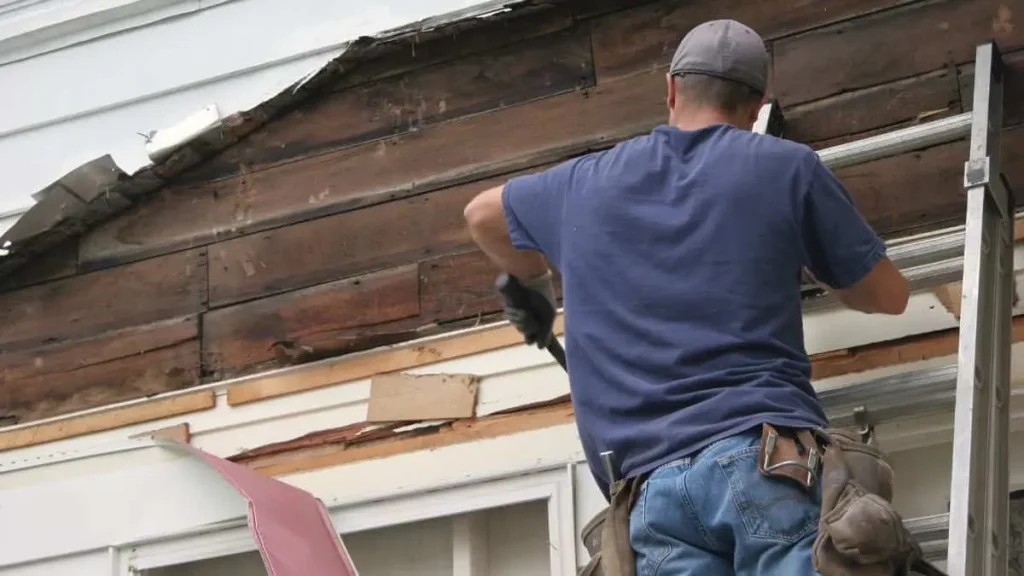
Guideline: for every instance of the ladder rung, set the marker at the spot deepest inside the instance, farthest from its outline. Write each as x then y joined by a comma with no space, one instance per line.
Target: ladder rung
897,142
904,395
926,263
897,396
931,533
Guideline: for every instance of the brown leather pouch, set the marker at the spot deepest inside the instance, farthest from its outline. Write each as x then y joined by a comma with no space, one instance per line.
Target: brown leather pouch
791,454
606,536
860,532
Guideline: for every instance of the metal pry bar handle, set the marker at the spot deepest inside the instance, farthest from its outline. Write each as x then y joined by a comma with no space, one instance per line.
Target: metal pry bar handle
518,296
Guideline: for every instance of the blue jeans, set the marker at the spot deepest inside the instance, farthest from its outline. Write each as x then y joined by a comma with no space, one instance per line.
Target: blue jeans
714,514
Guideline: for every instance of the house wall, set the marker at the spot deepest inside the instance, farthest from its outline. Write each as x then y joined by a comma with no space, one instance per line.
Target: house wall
337,226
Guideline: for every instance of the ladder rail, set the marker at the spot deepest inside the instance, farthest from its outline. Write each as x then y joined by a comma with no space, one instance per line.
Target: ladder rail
977,529
979,483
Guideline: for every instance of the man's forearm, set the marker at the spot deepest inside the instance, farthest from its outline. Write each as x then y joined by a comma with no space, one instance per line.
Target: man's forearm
487,226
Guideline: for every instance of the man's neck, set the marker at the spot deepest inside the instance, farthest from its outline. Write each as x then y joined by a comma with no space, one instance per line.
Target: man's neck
701,118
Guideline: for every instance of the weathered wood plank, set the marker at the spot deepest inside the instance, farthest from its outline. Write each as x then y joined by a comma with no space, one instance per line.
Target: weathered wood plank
645,37
105,369
1013,90
347,244
443,155
557,63
83,305
922,98
58,262
457,286
326,319
890,45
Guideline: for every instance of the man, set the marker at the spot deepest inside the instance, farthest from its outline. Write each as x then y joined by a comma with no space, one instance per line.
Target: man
681,254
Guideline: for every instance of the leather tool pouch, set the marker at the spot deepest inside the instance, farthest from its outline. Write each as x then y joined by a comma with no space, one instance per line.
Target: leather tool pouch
860,533
790,454
606,536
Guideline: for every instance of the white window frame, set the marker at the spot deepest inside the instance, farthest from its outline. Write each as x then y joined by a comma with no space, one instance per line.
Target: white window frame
553,485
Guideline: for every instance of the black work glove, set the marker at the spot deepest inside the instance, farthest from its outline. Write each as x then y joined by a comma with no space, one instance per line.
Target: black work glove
530,306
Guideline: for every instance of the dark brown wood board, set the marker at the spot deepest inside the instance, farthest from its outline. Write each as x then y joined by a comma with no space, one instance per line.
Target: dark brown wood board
100,370
551,64
645,37
922,98
329,318
131,295
890,45
347,244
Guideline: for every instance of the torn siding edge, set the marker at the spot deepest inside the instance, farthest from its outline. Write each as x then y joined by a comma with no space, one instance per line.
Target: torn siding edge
361,434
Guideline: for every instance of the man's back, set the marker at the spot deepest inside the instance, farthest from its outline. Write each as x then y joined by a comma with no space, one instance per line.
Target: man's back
681,254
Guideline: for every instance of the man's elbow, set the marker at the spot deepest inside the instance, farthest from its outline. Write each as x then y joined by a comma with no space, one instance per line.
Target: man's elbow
896,301
483,212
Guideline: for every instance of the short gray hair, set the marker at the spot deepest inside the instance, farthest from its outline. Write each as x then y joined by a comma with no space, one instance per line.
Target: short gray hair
714,92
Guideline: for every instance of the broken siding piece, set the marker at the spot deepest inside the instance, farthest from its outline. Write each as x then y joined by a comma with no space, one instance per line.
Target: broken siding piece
415,397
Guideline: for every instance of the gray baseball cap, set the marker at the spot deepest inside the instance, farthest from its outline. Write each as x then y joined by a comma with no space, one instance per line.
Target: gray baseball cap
726,49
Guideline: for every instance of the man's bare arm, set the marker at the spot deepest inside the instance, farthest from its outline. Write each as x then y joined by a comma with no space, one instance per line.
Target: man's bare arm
884,290
486,220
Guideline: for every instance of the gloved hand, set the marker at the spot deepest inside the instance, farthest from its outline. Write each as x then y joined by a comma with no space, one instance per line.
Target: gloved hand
534,314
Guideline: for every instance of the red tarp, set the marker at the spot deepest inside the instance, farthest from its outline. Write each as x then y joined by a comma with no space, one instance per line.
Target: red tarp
292,529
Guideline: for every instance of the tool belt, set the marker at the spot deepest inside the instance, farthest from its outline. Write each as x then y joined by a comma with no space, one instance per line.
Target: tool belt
859,532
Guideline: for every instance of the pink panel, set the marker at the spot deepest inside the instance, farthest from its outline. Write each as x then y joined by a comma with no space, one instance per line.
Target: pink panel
294,533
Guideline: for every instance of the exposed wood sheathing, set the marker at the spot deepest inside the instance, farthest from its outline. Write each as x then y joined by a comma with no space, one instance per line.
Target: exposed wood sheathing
336,225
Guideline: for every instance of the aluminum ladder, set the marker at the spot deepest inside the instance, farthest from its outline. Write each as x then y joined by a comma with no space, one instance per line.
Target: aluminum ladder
981,253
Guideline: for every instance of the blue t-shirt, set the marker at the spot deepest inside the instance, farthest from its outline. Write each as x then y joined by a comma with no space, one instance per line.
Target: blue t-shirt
680,254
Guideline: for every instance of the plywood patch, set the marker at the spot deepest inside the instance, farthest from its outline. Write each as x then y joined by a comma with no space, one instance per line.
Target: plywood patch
415,397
